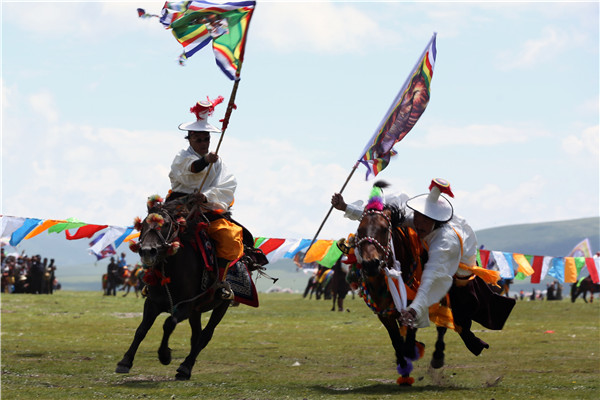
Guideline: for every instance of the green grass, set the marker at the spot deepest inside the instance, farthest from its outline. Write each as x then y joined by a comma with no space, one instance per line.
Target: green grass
66,346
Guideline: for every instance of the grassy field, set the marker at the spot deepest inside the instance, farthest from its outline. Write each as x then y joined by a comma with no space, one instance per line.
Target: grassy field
66,346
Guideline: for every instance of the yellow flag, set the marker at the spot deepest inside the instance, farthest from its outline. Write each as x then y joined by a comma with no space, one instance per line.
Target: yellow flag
318,251
524,266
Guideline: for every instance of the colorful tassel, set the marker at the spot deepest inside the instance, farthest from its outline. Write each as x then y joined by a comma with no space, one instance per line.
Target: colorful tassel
134,246
443,185
406,370
137,224
408,381
173,247
375,199
203,107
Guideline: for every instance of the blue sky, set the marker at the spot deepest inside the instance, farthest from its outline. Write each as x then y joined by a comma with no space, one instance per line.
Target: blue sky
92,97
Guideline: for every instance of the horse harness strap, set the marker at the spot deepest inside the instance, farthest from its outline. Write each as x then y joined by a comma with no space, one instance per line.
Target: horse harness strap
387,250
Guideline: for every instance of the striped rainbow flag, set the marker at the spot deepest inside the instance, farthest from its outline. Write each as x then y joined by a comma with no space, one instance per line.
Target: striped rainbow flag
196,23
405,111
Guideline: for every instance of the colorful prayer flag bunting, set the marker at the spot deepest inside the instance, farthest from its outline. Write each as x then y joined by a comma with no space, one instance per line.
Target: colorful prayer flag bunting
324,252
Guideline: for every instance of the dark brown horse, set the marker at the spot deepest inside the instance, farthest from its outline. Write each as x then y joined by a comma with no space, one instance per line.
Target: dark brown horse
582,287
379,237
185,286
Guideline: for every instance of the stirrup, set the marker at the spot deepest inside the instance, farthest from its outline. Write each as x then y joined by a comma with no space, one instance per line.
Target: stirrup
224,291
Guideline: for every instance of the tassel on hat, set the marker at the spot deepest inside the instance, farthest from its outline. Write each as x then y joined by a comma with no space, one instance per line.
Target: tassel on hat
433,204
202,110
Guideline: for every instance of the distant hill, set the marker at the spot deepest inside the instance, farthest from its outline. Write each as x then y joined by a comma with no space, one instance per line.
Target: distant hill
77,270
555,239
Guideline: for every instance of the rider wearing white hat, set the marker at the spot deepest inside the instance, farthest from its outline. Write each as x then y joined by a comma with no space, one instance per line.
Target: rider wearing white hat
191,165
451,267
188,175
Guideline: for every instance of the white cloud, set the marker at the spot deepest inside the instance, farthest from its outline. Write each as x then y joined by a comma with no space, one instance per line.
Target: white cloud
586,142
475,135
83,19
323,27
536,51
43,104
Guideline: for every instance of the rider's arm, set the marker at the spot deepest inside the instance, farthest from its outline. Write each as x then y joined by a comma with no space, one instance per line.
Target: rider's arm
438,272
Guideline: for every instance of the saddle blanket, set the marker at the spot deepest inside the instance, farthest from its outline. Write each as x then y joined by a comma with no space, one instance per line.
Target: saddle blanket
241,283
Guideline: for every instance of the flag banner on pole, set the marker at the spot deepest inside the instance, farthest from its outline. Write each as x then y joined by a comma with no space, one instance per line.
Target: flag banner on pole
405,111
196,23
582,249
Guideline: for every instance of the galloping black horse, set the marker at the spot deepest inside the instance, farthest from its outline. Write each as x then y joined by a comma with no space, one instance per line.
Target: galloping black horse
379,237
185,286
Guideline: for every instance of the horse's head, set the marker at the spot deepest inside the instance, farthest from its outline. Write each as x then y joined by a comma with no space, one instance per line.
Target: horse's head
159,234
374,233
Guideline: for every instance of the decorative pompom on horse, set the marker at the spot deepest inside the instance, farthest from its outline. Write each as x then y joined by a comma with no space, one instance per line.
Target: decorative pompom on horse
173,247
134,246
153,201
137,224
182,224
155,220
376,197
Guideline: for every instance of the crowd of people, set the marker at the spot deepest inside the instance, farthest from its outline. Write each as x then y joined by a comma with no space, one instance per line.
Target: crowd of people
22,273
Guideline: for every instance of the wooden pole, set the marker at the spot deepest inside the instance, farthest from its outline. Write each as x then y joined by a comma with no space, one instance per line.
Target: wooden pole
230,107
331,208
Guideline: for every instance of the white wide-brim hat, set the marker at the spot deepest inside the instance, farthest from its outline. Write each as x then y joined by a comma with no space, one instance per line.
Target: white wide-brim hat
202,110
200,125
433,204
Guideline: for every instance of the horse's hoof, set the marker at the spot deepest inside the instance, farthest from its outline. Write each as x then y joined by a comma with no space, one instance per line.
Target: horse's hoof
437,363
183,373
122,369
164,356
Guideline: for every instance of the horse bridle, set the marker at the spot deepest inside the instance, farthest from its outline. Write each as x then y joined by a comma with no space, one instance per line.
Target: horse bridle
173,230
387,249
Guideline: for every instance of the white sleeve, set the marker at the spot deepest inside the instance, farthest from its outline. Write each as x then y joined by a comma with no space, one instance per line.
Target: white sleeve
222,188
354,210
438,272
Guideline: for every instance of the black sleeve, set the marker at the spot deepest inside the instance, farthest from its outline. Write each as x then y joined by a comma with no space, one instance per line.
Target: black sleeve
199,165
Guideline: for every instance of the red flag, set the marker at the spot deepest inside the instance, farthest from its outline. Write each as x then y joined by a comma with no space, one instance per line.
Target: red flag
86,231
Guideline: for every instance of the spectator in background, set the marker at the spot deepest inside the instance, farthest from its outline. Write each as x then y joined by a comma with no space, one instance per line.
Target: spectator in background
36,275
112,272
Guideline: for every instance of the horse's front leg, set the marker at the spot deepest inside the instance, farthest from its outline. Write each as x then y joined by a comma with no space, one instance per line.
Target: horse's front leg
437,360
164,352
403,366
151,311
200,338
